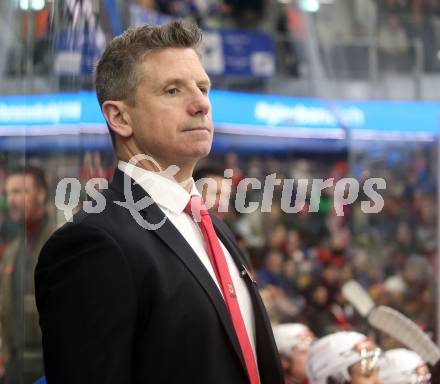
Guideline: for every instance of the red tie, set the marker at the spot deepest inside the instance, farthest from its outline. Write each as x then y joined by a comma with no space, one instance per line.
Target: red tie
197,210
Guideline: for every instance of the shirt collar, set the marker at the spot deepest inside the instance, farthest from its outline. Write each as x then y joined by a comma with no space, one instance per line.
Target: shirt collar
166,192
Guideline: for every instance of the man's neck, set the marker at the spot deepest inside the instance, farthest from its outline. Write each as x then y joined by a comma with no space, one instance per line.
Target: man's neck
181,175
182,172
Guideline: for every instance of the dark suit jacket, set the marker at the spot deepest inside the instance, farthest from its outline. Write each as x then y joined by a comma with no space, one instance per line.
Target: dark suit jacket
122,304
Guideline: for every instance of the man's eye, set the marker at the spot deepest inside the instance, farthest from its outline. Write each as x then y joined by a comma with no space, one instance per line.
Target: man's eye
204,90
172,91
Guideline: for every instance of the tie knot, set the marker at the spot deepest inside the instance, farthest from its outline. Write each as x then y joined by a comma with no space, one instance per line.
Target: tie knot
196,208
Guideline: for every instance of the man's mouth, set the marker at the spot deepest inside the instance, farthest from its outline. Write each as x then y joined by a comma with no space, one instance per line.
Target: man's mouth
197,129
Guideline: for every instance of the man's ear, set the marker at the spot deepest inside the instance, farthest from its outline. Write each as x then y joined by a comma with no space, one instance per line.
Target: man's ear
118,119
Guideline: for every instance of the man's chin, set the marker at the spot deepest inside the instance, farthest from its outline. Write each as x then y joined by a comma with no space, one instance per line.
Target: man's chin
201,152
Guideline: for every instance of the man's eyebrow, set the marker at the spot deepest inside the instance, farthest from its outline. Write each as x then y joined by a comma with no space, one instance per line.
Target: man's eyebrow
178,81
206,83
172,80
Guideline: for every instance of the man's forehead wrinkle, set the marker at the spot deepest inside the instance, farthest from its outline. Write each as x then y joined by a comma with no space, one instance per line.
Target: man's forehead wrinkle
153,65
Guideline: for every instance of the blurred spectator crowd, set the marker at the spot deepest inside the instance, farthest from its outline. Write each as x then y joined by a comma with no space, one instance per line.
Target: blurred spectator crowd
403,21
404,33
302,259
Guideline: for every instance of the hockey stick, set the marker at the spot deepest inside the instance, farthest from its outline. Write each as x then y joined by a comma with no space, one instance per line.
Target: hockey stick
394,324
408,333
356,295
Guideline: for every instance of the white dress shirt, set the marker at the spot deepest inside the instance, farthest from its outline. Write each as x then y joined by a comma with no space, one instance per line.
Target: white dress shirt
172,199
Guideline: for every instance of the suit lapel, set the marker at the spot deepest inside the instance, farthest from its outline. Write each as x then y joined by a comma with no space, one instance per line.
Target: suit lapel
172,238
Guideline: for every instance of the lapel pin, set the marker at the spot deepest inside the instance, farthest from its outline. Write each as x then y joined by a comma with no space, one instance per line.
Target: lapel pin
245,272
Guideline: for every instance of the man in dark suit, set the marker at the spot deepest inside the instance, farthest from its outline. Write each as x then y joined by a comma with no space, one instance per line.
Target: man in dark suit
130,295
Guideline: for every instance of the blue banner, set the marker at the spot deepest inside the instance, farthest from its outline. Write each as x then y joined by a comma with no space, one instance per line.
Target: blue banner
237,115
52,114
77,51
238,53
283,116
226,52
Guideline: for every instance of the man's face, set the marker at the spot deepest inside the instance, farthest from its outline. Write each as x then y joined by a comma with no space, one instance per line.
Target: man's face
423,374
171,119
298,364
24,198
298,356
358,377
366,371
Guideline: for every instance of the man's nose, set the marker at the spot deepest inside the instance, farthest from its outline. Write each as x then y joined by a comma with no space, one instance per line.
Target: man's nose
199,104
